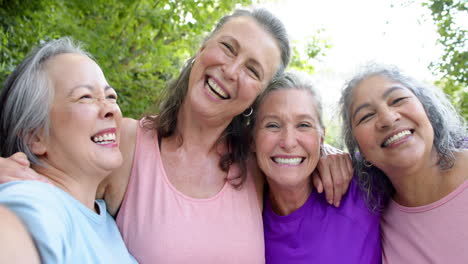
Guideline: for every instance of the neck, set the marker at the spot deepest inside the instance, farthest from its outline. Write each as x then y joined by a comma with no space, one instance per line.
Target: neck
192,132
426,184
286,200
82,188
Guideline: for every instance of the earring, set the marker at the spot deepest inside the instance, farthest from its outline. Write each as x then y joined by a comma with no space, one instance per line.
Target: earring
248,112
366,163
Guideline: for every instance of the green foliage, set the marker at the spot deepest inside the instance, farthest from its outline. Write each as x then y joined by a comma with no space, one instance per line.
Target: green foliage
140,45
454,62
458,94
333,134
313,48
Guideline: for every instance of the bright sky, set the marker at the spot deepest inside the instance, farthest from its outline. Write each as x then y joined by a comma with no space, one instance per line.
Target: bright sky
362,31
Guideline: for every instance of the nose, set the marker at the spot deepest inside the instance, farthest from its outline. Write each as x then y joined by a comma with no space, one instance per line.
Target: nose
231,69
108,109
386,118
288,139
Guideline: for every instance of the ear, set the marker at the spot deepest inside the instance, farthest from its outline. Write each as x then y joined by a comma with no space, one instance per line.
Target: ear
37,144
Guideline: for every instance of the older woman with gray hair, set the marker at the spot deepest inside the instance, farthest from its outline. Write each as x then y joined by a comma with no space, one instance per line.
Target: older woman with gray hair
299,225
413,164
58,109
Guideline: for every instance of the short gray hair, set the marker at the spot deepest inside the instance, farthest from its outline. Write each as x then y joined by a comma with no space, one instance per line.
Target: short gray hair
26,98
449,129
291,80
269,23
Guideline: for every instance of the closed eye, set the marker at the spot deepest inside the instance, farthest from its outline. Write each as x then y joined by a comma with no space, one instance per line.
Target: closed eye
399,100
365,118
229,47
86,96
272,125
254,72
112,96
306,125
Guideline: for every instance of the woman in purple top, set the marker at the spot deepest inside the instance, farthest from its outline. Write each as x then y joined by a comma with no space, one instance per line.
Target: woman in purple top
300,225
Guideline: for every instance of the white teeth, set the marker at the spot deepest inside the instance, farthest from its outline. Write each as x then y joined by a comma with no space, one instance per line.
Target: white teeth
396,137
105,139
214,86
288,161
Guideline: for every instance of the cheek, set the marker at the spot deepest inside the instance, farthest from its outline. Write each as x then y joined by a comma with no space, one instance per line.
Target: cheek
209,55
250,89
265,143
363,137
312,143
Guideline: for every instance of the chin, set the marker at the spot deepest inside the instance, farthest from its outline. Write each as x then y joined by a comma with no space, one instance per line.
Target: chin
112,163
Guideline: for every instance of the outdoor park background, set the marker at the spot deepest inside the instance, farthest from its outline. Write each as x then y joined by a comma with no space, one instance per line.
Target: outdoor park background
141,44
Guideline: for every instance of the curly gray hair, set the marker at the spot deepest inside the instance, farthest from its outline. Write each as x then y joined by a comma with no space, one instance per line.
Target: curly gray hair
449,130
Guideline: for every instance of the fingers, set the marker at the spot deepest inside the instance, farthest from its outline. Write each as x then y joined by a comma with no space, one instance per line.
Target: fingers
317,181
16,167
348,171
336,172
341,177
325,175
20,158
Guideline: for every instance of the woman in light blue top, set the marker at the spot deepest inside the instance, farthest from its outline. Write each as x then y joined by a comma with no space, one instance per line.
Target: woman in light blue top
58,108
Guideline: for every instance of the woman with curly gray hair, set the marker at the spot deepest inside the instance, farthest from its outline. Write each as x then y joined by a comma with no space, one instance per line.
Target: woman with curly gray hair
412,164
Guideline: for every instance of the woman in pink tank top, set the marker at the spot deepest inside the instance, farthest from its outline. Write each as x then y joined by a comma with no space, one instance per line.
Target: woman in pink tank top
192,195
413,163
189,196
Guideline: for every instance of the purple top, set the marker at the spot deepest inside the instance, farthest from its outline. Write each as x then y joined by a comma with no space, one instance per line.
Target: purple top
321,233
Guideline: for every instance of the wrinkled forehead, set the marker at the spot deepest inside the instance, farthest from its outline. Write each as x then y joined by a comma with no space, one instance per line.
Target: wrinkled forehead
255,39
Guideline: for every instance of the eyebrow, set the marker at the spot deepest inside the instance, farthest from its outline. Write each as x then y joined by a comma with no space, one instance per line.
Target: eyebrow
384,96
301,116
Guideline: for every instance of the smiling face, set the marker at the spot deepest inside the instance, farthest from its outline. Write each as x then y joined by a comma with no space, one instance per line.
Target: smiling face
231,69
84,118
390,125
288,137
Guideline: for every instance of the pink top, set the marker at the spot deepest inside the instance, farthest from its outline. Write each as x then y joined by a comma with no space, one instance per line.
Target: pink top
159,224
433,233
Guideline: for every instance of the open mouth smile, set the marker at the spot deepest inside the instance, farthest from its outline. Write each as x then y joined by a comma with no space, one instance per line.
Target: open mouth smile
104,137
215,89
397,137
288,161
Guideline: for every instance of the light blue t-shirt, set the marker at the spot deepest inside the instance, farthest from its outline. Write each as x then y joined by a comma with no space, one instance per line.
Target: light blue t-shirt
63,229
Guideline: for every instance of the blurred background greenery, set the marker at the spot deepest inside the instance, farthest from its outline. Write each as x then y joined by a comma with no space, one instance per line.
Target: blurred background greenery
142,44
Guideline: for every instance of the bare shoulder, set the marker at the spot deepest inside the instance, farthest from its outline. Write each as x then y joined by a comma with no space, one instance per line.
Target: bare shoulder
17,244
113,188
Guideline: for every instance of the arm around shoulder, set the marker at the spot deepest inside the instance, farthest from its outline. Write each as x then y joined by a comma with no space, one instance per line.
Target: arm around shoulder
113,188
17,244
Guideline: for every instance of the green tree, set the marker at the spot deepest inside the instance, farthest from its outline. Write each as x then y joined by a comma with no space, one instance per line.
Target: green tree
308,51
454,62
140,44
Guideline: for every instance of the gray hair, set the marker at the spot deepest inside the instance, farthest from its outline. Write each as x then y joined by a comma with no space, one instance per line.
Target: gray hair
291,80
26,99
449,130
270,23
237,131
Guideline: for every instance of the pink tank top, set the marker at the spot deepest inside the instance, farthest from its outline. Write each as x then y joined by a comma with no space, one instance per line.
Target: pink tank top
159,224
433,233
